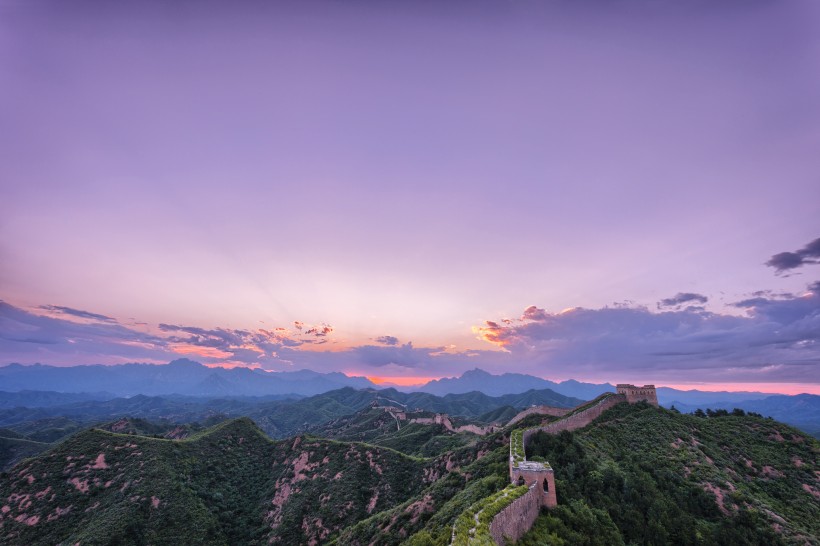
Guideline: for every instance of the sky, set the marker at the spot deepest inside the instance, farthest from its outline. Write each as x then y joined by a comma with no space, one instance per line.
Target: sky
606,191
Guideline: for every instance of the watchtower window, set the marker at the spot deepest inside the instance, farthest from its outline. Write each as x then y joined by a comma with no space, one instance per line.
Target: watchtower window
520,480
546,485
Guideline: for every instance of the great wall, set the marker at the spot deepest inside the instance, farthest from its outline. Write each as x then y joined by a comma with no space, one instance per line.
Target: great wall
513,518
442,419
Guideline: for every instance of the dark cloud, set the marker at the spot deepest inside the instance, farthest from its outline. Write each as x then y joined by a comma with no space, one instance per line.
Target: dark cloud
387,340
29,337
405,356
76,313
250,347
777,340
681,298
786,261
319,331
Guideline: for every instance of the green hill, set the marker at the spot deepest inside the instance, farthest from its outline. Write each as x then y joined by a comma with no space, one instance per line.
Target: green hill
227,485
643,475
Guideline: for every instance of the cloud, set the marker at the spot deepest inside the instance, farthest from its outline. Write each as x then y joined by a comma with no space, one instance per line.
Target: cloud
768,337
387,340
251,347
786,261
777,339
76,313
71,336
405,355
30,337
319,331
681,298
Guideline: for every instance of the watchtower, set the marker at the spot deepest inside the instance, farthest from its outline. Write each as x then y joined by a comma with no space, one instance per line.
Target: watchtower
634,394
539,474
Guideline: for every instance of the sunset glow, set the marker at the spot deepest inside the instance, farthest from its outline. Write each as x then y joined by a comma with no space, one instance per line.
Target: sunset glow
401,381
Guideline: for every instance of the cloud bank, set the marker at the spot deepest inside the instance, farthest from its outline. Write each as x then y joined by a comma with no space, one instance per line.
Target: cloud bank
771,338
775,340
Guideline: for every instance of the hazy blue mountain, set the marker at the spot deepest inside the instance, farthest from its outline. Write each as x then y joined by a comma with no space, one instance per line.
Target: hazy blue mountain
496,385
801,410
668,396
181,376
511,383
44,399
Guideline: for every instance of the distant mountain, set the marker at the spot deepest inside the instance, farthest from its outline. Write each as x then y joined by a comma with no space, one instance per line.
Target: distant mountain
511,383
667,396
496,385
801,411
180,376
45,399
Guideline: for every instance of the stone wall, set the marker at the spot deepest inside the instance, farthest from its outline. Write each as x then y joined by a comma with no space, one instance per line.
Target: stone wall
580,419
517,518
475,429
541,410
444,420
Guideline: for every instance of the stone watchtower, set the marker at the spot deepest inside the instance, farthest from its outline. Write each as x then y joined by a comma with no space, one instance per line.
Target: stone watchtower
536,474
636,394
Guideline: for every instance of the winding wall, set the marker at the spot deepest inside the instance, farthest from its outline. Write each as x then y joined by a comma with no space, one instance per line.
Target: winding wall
541,410
517,518
580,419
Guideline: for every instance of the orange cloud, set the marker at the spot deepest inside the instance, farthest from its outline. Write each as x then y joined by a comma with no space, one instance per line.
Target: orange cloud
492,333
196,350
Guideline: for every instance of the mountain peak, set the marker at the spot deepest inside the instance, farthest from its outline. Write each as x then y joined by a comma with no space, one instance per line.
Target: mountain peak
476,373
185,363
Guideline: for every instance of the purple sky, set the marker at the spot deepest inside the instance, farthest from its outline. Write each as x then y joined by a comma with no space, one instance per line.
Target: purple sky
193,176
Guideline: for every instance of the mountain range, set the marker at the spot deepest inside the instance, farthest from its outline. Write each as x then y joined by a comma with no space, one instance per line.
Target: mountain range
181,376
39,386
28,430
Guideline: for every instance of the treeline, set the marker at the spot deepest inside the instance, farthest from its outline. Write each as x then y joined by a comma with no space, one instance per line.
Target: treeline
737,412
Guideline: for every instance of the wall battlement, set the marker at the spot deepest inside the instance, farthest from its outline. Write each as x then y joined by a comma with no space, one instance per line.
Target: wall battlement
634,394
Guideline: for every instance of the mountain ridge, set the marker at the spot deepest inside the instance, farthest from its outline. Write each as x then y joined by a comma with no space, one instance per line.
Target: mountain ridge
180,376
